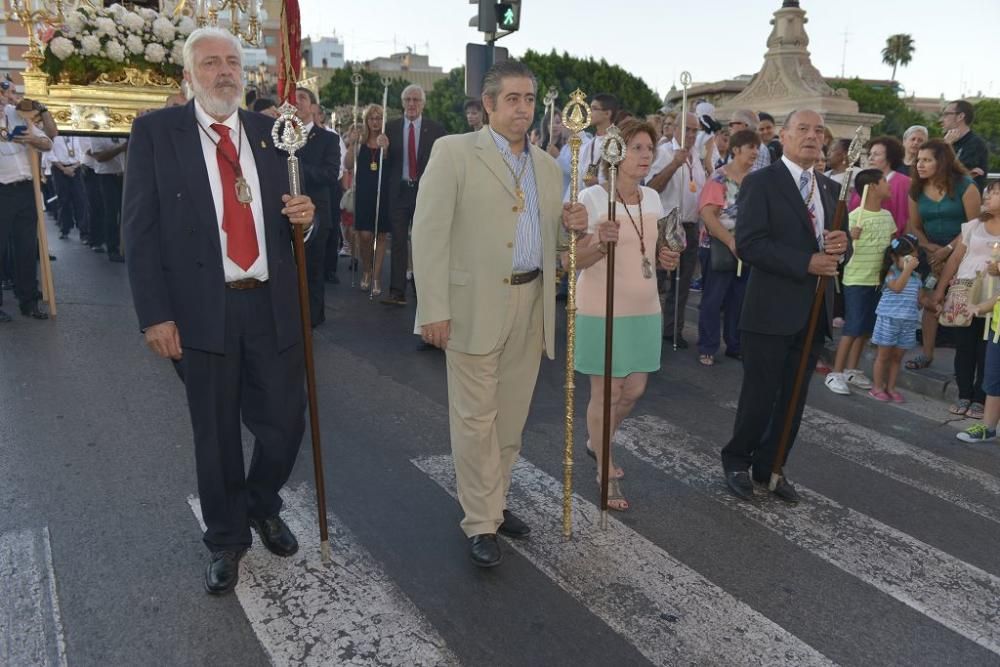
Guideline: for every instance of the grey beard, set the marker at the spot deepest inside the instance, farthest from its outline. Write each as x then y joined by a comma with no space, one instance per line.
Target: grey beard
216,106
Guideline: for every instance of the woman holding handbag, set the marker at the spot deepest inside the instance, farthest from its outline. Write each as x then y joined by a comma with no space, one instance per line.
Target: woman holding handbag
942,197
724,284
977,246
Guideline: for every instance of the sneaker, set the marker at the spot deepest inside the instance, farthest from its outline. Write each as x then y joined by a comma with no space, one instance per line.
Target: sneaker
857,378
977,433
345,251
835,383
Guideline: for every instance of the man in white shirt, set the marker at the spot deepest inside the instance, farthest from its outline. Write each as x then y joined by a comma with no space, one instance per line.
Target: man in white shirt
679,177
109,166
18,214
66,156
209,249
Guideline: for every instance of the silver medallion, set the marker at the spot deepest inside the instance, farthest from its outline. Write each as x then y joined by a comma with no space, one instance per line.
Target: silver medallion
243,193
647,268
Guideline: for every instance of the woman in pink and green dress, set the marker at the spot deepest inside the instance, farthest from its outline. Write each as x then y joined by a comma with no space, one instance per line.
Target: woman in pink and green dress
637,316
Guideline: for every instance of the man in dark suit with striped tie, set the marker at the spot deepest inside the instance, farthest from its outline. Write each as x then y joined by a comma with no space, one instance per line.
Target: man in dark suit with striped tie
209,255
784,216
409,140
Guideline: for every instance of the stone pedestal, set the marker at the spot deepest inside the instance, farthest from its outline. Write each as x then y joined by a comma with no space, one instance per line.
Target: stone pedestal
789,81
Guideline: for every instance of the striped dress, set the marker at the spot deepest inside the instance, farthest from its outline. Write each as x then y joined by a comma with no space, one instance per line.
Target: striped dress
637,316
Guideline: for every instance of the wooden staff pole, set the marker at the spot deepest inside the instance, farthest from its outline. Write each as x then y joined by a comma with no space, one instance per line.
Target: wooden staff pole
48,286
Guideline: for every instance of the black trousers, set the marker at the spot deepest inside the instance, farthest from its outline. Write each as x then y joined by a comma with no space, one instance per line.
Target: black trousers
689,261
769,367
400,219
72,201
970,360
19,233
316,251
111,205
254,383
95,207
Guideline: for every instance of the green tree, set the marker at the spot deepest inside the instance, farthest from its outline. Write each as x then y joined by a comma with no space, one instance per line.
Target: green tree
445,101
987,125
898,51
565,72
339,91
881,100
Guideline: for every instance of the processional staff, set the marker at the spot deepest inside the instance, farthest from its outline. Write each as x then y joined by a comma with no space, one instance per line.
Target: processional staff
289,135
853,153
576,118
612,152
378,186
685,82
550,109
356,79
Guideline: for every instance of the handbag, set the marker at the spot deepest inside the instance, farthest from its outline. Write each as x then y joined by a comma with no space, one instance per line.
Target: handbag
347,201
722,259
956,309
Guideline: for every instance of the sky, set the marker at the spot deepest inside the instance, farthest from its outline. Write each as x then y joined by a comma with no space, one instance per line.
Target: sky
656,40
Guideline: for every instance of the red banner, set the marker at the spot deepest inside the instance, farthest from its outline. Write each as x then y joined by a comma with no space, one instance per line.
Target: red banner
291,50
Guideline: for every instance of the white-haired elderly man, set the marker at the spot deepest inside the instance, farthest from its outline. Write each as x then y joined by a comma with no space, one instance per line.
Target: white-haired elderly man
409,140
744,119
208,238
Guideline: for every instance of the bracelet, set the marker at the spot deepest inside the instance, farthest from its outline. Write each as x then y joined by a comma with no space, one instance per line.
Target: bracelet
602,248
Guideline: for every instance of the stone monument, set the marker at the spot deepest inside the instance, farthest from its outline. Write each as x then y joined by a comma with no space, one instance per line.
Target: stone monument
788,80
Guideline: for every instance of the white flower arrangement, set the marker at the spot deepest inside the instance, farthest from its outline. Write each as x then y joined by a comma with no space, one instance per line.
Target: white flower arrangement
93,41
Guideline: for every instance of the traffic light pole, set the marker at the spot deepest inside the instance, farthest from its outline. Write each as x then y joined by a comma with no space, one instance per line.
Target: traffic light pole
491,40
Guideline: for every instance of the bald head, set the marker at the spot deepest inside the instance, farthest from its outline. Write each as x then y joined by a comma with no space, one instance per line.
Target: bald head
691,131
802,137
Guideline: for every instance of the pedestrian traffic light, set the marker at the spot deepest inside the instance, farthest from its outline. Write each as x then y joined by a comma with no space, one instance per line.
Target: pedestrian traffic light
508,15
486,19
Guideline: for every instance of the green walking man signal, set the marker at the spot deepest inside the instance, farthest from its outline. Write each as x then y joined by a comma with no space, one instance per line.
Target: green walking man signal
509,16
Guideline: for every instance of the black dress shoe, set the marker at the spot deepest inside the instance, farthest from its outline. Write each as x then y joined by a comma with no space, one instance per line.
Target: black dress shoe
513,527
785,491
223,571
739,483
681,343
275,535
30,309
116,257
395,301
4,317
738,356
484,550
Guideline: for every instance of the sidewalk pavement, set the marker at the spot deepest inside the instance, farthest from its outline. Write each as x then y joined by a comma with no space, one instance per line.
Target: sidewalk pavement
936,382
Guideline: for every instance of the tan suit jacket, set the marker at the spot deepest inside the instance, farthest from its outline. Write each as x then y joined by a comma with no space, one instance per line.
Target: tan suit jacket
463,239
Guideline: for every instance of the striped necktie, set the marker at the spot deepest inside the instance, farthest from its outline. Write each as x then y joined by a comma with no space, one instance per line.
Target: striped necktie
807,188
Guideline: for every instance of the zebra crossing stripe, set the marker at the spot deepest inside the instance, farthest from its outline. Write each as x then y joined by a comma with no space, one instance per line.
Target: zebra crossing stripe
964,486
31,630
346,613
669,612
960,596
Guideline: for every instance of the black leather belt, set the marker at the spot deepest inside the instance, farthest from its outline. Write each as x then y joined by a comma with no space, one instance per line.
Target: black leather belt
524,278
246,283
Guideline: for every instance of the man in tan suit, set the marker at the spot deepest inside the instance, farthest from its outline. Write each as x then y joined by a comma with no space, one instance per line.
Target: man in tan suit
485,230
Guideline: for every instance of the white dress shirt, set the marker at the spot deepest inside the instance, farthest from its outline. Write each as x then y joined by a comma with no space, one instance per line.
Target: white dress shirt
15,164
677,192
66,151
796,171
248,165
115,165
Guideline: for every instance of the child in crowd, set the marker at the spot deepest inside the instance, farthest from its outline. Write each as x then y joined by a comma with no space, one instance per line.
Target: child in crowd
872,228
898,316
987,429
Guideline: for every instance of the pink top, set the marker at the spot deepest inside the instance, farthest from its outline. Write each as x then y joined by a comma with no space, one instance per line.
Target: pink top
898,203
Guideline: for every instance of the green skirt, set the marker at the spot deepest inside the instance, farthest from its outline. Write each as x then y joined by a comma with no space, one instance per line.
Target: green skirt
636,345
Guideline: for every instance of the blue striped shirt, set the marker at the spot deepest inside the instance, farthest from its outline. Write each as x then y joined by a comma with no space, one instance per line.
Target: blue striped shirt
901,305
528,236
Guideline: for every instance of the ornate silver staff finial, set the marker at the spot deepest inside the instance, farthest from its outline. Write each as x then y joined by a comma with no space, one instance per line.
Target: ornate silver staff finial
551,96
288,134
357,79
685,79
614,149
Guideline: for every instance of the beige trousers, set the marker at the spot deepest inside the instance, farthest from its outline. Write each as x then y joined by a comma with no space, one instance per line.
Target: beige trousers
488,400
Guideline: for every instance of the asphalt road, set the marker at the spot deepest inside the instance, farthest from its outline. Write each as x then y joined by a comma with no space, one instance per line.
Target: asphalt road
891,559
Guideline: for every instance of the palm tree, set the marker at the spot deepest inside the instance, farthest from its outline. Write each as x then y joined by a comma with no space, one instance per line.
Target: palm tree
898,51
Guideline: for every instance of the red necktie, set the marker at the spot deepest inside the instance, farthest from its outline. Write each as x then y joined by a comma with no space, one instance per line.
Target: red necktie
412,153
237,218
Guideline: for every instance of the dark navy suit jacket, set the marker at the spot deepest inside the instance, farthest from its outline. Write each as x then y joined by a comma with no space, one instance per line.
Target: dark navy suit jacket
775,236
172,247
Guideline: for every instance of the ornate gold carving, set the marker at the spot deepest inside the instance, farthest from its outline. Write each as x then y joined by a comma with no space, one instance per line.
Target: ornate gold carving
131,76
